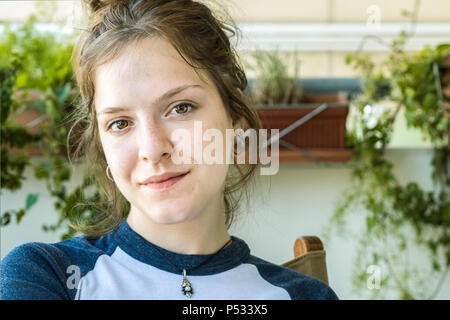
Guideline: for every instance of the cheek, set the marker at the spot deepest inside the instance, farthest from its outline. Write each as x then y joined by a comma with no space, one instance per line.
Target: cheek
211,179
119,154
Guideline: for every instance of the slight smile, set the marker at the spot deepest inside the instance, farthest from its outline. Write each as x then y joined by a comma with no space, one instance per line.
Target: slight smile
166,184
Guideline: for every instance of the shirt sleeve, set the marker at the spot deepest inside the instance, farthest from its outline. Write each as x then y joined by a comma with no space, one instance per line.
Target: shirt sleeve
34,271
315,290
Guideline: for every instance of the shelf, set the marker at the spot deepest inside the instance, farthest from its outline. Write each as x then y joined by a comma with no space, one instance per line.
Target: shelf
326,155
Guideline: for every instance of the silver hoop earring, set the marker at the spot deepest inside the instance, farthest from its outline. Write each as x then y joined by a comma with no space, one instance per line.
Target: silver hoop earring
108,174
240,142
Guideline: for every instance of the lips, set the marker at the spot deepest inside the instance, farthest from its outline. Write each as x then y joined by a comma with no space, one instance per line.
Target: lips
163,177
166,183
179,175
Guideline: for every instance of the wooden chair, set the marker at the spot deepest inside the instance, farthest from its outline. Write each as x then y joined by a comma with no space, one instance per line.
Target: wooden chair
309,258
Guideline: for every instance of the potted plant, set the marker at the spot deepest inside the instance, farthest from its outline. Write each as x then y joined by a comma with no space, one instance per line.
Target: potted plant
281,101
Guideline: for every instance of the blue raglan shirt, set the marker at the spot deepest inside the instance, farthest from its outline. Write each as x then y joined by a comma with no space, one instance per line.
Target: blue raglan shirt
124,265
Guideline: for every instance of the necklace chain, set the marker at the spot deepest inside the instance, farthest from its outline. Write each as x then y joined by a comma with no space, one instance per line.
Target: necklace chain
186,286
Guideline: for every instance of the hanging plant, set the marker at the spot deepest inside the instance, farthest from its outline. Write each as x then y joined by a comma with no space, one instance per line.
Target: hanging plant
400,217
13,135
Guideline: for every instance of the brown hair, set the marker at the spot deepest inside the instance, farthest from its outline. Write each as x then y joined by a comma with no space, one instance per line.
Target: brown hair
201,40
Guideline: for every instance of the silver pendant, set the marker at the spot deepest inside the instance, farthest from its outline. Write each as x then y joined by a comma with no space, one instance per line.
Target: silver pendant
186,286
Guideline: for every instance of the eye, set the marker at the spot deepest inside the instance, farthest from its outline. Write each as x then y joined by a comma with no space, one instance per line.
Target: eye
183,108
120,124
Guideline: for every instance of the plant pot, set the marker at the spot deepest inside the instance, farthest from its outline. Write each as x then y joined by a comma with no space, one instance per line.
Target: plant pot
339,97
33,121
326,131
26,119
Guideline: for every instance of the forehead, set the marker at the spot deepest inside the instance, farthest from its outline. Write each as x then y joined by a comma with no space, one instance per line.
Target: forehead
153,61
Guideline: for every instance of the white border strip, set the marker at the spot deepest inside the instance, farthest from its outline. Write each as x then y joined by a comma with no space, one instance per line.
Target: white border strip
338,36
320,37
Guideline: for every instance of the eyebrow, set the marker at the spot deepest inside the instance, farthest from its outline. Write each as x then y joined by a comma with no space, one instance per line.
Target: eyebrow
165,96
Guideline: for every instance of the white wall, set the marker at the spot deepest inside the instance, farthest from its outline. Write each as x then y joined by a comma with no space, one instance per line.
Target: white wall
302,200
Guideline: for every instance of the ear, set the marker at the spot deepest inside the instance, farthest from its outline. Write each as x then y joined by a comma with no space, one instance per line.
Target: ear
240,123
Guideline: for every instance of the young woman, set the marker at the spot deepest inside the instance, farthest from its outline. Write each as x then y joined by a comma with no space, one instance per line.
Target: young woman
145,70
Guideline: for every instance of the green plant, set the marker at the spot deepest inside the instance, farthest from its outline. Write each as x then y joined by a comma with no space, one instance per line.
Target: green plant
44,67
399,217
13,135
273,84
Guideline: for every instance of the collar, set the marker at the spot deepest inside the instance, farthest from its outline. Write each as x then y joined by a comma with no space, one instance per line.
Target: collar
143,250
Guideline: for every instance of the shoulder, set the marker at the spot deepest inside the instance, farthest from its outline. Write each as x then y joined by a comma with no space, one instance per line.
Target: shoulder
38,270
298,285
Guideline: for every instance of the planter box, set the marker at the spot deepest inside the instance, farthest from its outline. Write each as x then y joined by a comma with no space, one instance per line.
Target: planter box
325,130
33,121
25,119
322,138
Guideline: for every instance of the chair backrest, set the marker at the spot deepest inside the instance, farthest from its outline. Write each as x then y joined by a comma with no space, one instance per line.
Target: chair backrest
309,258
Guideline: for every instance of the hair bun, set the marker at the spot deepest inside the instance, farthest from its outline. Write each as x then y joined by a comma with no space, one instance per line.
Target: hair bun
96,5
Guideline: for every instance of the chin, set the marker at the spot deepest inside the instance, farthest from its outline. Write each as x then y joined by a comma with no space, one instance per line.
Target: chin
170,217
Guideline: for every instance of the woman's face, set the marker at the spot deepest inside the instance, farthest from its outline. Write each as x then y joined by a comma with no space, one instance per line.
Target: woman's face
141,97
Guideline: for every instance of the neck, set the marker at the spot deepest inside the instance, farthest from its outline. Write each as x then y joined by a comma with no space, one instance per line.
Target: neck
204,234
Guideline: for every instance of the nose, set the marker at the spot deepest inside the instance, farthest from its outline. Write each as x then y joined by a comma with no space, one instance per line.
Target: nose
154,144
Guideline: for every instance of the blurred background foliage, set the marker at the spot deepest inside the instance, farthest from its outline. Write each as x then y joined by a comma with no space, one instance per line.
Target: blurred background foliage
415,84
36,75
